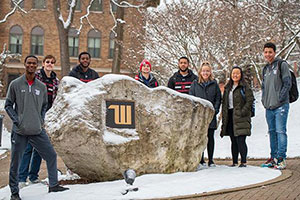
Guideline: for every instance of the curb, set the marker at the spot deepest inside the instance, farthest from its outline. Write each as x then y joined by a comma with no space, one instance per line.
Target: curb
285,175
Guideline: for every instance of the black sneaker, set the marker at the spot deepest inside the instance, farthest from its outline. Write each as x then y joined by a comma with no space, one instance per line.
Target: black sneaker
242,165
233,165
57,188
15,197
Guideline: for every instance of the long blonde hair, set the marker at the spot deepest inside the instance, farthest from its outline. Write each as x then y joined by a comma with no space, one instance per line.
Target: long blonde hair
211,77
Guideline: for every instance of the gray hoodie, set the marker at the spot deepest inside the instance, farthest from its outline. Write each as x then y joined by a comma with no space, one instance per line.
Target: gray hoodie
26,105
275,86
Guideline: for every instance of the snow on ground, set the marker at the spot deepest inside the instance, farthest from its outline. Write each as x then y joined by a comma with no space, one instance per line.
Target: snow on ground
167,185
154,185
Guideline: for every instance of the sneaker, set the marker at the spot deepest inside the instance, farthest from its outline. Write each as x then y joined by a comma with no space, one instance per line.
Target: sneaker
233,165
201,166
269,163
281,164
34,181
57,188
15,197
211,164
243,165
22,184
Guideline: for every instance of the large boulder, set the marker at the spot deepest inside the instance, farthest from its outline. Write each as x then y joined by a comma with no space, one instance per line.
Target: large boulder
170,130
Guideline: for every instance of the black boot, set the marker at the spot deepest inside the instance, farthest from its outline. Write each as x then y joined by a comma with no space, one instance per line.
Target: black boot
15,197
57,188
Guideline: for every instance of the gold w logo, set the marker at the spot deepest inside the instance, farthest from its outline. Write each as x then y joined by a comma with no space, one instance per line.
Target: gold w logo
125,111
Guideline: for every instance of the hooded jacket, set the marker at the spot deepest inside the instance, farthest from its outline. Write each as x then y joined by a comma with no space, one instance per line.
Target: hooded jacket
87,76
51,84
26,105
211,92
275,86
241,111
182,83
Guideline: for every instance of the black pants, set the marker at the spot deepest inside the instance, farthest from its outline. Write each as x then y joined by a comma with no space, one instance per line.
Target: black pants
210,147
238,143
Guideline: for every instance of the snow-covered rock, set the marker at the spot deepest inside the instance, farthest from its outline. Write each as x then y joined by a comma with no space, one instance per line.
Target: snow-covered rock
170,131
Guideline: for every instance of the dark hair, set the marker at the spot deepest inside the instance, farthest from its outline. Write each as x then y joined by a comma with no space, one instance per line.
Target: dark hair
82,53
230,82
49,57
184,57
31,56
270,45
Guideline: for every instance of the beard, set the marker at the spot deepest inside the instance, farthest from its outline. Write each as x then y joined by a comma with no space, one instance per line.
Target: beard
183,70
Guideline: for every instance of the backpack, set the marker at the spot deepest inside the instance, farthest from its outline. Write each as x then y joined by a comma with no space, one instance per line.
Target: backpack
293,93
253,104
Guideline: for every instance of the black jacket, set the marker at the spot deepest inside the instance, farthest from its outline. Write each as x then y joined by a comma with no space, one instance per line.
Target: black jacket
87,76
210,92
152,82
241,111
182,83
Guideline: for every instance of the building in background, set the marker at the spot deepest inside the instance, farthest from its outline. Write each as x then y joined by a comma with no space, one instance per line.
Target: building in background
36,33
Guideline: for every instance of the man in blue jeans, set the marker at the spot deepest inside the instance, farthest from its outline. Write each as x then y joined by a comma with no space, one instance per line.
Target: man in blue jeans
275,98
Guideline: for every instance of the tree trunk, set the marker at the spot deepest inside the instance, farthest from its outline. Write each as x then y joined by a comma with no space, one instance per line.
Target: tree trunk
63,38
118,42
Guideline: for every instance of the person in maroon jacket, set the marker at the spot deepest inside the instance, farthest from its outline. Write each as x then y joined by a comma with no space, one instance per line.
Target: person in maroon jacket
82,71
145,76
182,80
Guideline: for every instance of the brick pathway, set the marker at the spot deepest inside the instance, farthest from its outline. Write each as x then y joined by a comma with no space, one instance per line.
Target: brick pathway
285,187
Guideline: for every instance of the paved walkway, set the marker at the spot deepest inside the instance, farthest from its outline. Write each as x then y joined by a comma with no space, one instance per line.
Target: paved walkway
285,187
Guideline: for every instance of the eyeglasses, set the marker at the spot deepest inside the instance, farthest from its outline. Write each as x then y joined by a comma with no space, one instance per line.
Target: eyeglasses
48,62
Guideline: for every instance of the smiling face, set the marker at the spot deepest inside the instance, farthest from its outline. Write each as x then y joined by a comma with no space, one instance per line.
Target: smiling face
205,72
30,65
85,60
269,54
236,75
48,64
146,68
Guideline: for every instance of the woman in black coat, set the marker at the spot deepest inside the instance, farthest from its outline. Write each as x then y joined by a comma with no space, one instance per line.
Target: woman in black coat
236,114
207,88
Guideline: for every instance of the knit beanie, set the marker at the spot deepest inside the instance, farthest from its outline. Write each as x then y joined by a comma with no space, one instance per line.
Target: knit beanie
145,62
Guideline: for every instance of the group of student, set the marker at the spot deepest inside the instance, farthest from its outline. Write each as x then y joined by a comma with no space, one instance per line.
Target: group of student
28,99
237,101
31,95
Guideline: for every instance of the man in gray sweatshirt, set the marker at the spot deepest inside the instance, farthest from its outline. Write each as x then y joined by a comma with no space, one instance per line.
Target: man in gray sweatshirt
275,98
26,104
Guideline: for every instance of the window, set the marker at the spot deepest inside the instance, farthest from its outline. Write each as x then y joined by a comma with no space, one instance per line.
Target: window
111,45
13,3
96,5
73,42
37,41
39,4
15,39
114,6
77,6
94,41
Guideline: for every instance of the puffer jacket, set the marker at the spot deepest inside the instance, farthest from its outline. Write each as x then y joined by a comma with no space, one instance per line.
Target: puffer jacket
211,92
241,111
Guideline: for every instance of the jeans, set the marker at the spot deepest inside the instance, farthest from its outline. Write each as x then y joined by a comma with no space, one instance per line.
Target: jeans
277,120
30,164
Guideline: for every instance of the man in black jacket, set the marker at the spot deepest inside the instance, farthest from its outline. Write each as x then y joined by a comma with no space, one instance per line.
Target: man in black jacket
82,71
181,81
